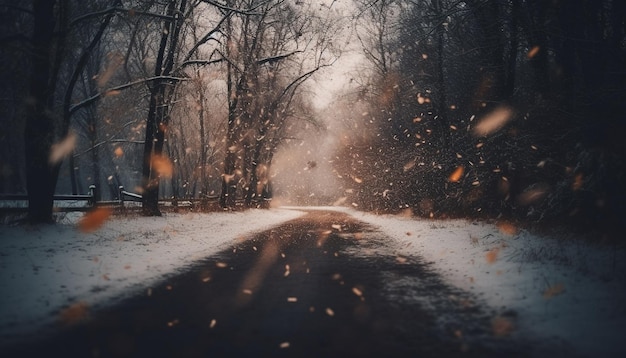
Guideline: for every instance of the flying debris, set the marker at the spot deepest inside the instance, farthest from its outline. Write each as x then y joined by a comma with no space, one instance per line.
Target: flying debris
163,166
533,194
501,326
457,174
578,182
533,52
493,121
507,228
94,219
74,314
62,149
492,255
554,290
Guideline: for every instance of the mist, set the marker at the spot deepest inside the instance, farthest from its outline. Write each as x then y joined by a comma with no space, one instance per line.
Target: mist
303,172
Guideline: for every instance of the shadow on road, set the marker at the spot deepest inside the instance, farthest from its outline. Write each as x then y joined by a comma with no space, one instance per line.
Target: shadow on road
323,285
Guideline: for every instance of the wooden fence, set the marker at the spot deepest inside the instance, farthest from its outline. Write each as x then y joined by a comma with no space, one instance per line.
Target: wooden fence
16,203
69,203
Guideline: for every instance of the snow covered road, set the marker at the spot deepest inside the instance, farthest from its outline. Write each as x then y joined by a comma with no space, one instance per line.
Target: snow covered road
562,293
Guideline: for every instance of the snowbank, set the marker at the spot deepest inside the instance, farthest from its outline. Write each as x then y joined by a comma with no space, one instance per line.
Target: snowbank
45,269
563,292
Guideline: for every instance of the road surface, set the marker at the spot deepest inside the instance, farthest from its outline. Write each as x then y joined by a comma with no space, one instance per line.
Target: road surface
323,285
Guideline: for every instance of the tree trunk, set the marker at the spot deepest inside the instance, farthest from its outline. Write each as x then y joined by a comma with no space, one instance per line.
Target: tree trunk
442,107
493,73
252,192
158,112
150,195
509,87
535,26
39,129
229,184
204,184
229,188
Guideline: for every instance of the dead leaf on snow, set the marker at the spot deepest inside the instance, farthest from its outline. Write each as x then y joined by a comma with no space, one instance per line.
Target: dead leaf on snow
554,290
75,313
501,326
492,255
507,228
94,219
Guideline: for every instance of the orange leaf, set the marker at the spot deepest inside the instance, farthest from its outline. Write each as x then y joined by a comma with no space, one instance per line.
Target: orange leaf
118,152
578,182
62,149
94,219
112,93
492,255
533,195
163,166
493,121
507,228
457,174
533,52
554,290
74,313
501,326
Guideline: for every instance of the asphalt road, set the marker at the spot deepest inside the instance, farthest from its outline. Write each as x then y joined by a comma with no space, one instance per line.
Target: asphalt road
324,285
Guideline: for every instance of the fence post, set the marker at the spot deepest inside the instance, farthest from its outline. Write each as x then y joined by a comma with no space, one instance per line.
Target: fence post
120,196
92,194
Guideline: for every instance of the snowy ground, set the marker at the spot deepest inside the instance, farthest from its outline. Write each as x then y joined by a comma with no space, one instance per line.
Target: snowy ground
46,269
563,292
560,291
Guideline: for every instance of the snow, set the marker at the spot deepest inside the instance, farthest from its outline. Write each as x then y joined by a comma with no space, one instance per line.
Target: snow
564,291
45,269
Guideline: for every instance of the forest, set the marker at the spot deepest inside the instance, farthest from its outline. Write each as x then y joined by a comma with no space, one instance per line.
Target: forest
507,108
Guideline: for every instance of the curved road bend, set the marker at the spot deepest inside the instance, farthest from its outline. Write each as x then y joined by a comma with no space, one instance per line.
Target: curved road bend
323,285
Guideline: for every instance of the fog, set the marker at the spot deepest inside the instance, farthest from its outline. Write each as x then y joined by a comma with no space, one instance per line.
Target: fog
303,172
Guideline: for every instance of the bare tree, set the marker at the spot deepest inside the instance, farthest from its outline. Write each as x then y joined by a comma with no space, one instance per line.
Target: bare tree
40,127
271,55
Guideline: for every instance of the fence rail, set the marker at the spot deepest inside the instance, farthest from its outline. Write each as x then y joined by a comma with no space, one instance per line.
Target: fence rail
69,203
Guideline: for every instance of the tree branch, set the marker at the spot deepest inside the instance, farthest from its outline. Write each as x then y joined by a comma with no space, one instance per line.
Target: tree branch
114,9
207,37
82,62
235,10
97,96
201,62
76,155
276,58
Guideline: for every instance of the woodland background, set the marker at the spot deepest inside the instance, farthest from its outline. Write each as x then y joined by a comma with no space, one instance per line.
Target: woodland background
510,108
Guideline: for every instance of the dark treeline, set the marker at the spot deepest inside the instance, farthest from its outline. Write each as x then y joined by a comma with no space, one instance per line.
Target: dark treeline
508,108
511,108
168,98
